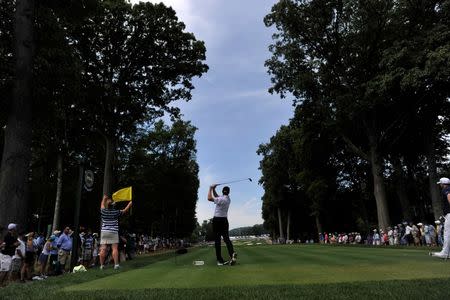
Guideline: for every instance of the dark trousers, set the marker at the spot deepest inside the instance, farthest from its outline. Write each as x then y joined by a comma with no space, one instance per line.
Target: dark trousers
220,229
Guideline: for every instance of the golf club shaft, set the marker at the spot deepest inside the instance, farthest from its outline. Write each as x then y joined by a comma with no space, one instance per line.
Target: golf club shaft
234,181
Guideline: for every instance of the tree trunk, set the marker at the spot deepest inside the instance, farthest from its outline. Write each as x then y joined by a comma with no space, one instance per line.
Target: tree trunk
401,190
59,167
318,224
108,170
378,185
432,179
288,226
280,224
15,164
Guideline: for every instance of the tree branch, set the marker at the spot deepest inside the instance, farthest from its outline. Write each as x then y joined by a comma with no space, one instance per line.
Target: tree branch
358,151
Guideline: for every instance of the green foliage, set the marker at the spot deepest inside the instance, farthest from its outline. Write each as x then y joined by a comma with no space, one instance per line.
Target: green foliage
161,166
370,79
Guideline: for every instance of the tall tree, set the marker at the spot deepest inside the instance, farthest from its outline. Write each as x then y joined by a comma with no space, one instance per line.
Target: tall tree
15,164
136,61
161,165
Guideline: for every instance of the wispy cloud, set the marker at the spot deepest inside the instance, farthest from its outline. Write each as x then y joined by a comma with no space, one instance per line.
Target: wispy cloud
231,106
245,214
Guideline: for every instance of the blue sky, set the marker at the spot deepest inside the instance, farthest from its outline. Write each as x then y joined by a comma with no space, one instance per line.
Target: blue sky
231,107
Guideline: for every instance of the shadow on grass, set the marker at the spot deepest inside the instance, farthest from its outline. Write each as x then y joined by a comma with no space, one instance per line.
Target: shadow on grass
395,289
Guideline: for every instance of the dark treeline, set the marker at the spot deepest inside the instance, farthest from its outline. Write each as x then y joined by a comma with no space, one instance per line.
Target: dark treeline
86,82
370,84
255,230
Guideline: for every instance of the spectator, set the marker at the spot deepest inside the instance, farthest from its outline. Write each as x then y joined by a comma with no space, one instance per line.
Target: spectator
30,257
43,258
95,251
64,245
18,258
10,244
86,248
376,238
53,262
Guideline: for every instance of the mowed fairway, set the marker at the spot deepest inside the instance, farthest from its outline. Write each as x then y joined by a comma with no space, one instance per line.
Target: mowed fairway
262,272
278,265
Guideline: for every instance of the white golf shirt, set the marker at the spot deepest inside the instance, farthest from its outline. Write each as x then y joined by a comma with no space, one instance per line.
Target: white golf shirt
222,204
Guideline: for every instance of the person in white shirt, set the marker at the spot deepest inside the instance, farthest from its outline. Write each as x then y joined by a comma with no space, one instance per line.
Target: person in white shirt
18,258
220,224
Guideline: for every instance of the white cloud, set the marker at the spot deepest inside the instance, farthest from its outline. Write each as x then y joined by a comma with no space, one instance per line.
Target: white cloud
197,16
245,214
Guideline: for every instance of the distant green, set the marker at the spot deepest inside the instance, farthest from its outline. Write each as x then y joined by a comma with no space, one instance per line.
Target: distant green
263,272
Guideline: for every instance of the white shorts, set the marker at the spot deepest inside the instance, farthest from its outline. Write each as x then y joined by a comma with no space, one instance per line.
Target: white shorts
5,263
109,238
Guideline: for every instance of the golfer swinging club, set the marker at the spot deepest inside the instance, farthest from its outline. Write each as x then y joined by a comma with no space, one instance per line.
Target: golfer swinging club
445,187
220,223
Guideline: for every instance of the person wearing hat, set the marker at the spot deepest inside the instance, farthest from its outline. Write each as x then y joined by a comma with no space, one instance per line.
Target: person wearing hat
438,230
53,262
444,183
10,244
30,256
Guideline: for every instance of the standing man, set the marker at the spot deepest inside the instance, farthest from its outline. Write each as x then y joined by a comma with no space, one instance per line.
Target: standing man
64,245
110,229
220,223
445,186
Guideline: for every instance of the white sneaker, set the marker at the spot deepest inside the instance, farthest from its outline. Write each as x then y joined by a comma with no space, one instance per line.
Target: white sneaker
439,255
101,267
222,263
116,267
233,258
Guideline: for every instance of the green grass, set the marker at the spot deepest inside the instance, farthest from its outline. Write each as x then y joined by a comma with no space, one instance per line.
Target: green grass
263,272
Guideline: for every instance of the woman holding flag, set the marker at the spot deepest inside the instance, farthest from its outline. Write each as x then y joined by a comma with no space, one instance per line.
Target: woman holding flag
110,224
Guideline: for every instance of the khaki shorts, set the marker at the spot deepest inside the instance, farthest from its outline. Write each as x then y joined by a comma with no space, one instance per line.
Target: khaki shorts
109,238
63,256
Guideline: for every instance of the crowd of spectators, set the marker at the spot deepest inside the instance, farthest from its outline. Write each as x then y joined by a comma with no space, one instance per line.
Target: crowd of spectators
35,256
404,234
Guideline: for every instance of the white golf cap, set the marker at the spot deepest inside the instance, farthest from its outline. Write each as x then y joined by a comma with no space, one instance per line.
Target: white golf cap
444,180
12,226
437,222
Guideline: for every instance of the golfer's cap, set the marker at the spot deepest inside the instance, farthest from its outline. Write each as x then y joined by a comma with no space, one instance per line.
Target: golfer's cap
29,234
12,226
95,234
437,222
444,180
56,232
419,224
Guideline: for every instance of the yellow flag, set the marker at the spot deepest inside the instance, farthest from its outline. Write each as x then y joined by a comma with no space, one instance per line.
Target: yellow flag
124,194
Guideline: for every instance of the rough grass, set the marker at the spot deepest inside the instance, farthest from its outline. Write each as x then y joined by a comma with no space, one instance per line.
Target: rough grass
263,272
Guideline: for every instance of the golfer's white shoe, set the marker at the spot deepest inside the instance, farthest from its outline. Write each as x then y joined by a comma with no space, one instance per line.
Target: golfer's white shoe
223,263
233,259
439,255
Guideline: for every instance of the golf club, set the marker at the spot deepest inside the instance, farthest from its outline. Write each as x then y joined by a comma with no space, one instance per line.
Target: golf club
234,181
